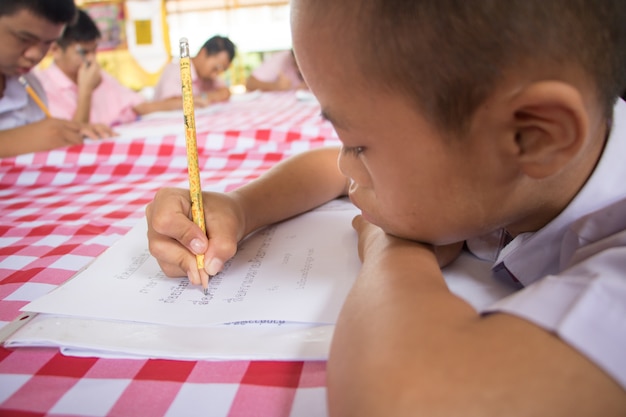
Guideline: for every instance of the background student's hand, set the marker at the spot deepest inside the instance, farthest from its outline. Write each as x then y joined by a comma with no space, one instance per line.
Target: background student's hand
174,239
44,135
96,131
282,83
89,76
51,133
373,240
201,101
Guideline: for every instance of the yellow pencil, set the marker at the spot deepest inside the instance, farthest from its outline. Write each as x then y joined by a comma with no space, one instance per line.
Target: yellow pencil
197,209
33,95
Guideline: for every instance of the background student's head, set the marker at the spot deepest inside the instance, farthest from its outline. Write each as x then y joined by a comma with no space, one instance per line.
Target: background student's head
28,28
214,57
77,45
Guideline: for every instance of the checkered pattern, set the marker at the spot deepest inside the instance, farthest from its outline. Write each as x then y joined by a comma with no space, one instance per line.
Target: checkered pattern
61,209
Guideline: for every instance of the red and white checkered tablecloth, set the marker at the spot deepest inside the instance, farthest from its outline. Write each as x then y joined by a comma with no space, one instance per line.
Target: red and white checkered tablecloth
61,209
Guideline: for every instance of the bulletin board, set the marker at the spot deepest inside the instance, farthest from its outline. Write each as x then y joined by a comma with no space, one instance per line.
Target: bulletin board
109,17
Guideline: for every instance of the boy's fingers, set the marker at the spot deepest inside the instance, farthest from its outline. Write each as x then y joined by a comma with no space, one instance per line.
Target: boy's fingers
73,137
89,132
168,216
174,260
222,242
357,222
104,131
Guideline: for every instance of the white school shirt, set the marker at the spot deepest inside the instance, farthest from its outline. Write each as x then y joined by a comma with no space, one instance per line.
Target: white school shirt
573,270
16,107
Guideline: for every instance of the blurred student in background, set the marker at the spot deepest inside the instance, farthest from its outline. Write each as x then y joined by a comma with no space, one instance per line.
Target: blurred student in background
212,60
78,88
27,29
279,72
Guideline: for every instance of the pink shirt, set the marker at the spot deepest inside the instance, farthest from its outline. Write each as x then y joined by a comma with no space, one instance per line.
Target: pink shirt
169,84
111,102
279,62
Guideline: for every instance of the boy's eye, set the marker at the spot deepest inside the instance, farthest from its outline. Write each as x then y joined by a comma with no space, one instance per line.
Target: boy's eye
352,150
28,41
24,40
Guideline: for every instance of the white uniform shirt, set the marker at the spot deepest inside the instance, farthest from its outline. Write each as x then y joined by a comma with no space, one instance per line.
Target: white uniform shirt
16,107
574,269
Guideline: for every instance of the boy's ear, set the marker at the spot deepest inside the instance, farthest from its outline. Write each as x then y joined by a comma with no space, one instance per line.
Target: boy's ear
551,126
54,48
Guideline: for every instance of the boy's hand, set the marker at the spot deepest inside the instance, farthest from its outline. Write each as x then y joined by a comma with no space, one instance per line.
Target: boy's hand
201,101
89,76
283,83
373,240
97,131
52,133
174,239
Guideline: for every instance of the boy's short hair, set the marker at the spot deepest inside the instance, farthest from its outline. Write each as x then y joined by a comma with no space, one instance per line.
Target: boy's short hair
217,44
448,55
83,30
55,11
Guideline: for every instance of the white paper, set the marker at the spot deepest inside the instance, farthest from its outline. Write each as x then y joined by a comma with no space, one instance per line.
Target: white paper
297,271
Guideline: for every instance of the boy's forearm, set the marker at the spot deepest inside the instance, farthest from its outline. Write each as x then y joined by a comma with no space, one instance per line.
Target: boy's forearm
18,141
293,186
83,107
173,103
254,83
404,345
221,94
12,143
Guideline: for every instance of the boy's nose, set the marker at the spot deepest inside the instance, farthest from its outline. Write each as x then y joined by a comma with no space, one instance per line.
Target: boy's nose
353,169
36,53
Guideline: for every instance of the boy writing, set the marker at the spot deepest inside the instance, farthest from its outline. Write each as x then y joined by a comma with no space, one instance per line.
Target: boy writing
27,29
78,89
210,62
491,125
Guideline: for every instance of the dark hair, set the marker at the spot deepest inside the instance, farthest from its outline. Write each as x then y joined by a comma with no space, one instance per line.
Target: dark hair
83,30
56,11
217,44
448,55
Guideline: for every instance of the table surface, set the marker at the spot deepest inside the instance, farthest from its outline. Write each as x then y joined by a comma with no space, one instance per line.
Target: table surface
61,209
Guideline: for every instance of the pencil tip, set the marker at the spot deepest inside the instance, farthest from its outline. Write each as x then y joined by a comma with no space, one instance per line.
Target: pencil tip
206,291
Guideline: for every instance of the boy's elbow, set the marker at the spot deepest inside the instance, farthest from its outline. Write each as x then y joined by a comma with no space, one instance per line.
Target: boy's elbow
359,385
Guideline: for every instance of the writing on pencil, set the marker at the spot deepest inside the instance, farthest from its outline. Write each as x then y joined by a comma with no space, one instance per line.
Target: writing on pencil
197,209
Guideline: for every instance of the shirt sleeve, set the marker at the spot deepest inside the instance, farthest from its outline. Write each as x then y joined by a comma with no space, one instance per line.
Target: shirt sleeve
270,68
585,305
169,84
16,108
123,98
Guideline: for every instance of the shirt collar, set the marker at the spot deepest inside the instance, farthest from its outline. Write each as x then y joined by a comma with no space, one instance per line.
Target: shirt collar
59,78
